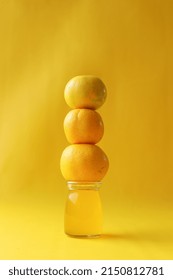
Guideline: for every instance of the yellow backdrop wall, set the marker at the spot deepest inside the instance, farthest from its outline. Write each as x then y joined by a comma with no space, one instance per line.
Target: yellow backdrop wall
128,44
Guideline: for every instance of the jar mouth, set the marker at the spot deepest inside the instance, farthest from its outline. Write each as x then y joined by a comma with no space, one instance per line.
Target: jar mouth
83,185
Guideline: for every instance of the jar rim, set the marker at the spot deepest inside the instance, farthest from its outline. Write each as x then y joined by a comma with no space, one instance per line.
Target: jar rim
73,185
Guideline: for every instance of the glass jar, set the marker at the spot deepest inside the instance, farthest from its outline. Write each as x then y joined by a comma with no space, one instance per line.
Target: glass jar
83,211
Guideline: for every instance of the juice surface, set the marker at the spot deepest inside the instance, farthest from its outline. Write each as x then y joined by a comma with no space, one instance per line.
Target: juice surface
83,213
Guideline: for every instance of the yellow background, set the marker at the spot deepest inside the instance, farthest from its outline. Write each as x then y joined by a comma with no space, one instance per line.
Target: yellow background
128,44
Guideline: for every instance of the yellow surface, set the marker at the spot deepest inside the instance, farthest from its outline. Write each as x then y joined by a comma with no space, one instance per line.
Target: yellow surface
128,44
32,228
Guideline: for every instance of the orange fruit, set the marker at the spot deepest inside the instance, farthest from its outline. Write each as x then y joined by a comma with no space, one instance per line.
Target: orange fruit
83,126
85,92
83,162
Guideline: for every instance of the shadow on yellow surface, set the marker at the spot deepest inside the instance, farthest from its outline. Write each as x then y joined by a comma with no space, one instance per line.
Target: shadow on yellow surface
156,237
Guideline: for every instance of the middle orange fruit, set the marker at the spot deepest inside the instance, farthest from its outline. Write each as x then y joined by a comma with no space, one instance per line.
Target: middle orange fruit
83,126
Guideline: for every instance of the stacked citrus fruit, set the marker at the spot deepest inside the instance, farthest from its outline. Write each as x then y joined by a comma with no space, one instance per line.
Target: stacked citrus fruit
83,160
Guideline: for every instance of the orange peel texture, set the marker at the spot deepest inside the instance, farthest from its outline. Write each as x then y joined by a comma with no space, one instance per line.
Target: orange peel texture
83,162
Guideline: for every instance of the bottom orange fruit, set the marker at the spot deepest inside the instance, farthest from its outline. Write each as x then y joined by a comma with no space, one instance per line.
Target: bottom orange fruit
83,162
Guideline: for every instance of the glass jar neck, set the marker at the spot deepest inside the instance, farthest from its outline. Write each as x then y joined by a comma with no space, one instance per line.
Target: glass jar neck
72,185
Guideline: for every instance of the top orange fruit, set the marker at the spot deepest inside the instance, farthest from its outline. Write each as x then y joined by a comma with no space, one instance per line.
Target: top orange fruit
85,92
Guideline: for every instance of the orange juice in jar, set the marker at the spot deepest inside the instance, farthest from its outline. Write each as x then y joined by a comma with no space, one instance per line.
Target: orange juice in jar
83,212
